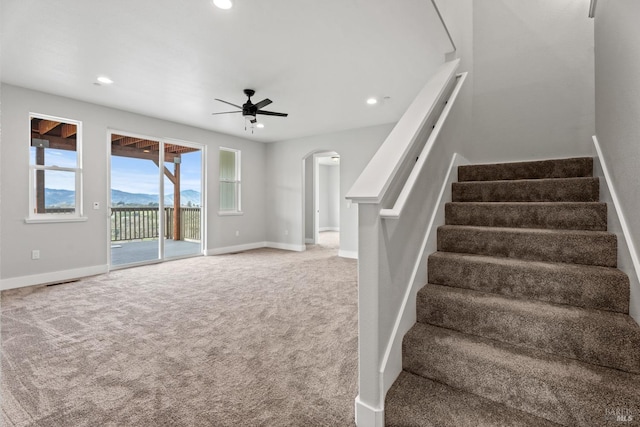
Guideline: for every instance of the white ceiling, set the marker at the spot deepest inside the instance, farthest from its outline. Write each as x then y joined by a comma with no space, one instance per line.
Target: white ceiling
318,60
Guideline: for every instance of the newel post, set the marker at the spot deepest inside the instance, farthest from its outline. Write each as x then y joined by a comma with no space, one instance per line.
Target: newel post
369,403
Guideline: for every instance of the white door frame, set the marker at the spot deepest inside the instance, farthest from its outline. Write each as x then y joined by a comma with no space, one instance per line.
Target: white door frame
161,223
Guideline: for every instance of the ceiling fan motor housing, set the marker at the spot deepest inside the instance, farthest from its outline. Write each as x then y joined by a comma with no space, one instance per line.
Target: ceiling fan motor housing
248,109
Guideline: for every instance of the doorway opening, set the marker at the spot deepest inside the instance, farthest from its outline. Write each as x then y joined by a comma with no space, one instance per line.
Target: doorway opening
322,199
156,200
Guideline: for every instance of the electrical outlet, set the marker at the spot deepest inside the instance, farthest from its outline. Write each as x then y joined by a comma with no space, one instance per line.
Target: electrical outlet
35,254
237,233
286,232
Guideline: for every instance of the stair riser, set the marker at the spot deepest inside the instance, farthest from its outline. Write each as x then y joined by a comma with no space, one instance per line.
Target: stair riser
561,168
548,190
416,401
568,216
588,287
567,392
601,338
591,248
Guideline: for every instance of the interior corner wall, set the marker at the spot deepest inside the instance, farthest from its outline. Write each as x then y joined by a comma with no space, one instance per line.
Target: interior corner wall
308,199
284,182
334,197
533,80
81,246
329,189
617,97
323,197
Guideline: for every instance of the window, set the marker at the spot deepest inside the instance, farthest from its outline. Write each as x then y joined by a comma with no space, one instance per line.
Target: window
229,181
55,173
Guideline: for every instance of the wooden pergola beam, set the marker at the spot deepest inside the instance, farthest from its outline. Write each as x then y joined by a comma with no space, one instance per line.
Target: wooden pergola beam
128,140
46,126
57,142
144,143
124,151
68,130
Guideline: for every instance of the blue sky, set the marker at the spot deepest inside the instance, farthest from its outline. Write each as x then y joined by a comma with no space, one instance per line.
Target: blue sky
141,176
127,174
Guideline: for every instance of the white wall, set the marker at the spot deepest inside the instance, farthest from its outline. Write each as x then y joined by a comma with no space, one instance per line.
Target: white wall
284,182
617,96
308,199
533,80
82,246
458,15
329,189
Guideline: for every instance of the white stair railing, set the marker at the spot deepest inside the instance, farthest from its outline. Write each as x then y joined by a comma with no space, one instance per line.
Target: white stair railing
394,222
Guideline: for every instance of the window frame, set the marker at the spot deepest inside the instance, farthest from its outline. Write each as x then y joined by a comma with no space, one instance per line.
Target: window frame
237,209
51,217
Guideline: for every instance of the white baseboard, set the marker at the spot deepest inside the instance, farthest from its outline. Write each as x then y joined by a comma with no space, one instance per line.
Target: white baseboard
235,248
368,416
628,260
286,246
52,277
321,229
348,254
255,245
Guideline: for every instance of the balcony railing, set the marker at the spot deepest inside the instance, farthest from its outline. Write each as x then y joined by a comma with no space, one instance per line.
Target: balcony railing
134,223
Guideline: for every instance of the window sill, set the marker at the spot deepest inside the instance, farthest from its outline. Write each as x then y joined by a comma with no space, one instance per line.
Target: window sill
50,220
230,213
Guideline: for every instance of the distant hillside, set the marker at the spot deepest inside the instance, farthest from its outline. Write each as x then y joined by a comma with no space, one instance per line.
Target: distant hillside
65,198
119,198
59,198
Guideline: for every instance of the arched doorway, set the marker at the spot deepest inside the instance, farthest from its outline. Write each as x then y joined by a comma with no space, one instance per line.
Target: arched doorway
321,198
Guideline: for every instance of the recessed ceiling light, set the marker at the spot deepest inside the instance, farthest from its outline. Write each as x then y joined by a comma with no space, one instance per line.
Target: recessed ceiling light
372,101
260,125
223,4
104,80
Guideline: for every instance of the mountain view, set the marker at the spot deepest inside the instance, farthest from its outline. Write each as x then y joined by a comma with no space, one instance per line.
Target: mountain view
65,198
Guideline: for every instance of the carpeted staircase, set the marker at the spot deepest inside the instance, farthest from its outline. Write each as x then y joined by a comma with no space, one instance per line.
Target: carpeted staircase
524,321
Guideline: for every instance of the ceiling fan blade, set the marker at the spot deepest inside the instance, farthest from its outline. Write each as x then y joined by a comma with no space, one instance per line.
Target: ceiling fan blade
234,105
226,112
271,113
263,103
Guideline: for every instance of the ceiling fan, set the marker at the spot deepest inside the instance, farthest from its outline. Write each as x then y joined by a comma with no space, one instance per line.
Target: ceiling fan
250,110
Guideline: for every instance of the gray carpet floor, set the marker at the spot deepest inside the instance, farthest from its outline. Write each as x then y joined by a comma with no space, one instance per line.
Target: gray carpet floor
260,338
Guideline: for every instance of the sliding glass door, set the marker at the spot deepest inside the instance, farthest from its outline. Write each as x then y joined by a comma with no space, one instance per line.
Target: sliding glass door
156,200
183,201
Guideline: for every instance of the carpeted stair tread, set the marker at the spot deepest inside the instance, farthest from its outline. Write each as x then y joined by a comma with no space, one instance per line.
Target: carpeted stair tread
565,391
560,168
570,246
524,305
528,190
586,286
551,215
417,401
593,336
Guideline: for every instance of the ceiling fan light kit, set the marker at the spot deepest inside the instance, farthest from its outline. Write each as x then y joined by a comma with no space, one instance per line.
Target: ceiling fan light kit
250,110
